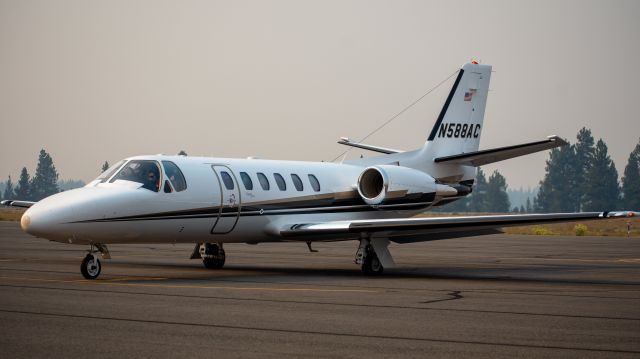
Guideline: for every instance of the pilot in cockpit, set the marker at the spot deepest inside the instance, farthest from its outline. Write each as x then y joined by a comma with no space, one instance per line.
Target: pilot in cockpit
152,180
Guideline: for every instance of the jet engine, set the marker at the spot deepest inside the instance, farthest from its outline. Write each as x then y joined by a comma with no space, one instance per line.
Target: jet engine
384,183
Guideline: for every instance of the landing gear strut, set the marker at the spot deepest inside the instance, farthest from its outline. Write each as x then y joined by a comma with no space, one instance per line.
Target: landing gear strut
213,255
368,258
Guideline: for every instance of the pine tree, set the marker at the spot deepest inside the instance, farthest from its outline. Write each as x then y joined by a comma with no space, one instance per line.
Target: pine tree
497,199
457,206
522,209
631,181
105,166
8,190
45,180
478,198
23,189
557,189
528,208
583,160
602,192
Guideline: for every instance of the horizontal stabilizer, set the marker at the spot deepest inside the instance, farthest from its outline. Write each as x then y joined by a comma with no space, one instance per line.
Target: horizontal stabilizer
387,151
480,158
22,204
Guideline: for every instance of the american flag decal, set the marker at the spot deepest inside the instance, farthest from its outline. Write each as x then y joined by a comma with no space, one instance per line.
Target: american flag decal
468,96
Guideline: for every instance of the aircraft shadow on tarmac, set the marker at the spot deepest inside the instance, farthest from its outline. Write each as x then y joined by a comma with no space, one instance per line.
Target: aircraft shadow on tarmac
560,274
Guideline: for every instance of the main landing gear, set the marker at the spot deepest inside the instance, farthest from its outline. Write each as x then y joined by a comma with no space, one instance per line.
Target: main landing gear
91,266
212,255
371,255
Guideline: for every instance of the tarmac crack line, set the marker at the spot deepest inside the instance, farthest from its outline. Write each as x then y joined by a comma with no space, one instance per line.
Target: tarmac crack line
454,295
310,332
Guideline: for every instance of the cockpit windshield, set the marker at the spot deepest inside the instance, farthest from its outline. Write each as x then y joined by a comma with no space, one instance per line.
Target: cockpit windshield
141,171
109,172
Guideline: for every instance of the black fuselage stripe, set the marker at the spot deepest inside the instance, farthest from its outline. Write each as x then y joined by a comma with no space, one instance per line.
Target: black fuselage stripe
284,208
251,213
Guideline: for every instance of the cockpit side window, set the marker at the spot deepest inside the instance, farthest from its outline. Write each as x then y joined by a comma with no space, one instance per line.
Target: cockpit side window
173,173
141,171
109,172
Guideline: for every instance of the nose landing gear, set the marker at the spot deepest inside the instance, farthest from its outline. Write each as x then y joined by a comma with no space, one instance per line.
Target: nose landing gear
91,266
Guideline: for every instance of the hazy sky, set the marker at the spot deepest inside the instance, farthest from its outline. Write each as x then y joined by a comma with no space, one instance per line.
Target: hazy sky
91,81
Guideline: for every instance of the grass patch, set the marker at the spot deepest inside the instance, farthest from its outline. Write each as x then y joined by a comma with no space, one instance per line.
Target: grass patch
11,214
580,229
604,227
541,231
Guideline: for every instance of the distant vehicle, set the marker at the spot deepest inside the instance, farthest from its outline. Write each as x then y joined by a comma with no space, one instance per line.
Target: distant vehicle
212,201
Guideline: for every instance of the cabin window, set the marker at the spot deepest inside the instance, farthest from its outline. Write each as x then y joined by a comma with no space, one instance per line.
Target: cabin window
314,183
246,180
110,171
280,181
227,180
141,171
175,176
297,182
264,182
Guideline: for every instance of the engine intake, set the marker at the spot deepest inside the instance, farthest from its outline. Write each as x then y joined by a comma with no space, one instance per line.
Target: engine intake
380,184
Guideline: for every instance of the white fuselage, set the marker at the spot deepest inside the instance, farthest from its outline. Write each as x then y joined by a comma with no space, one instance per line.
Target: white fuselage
207,210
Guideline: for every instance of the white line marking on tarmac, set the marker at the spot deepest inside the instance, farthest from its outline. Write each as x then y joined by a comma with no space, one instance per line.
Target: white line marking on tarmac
260,289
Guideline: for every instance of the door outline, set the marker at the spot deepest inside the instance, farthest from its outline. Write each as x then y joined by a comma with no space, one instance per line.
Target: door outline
235,191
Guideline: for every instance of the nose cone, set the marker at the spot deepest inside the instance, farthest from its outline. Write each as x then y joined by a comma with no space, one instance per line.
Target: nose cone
25,221
47,219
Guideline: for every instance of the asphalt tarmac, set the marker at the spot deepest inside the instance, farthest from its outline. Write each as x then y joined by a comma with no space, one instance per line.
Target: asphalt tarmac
482,297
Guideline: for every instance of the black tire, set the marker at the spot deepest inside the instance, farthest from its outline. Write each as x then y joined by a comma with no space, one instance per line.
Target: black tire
90,267
216,257
371,265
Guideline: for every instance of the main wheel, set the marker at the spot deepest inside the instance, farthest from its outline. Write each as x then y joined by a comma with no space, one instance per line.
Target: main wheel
371,264
90,267
214,256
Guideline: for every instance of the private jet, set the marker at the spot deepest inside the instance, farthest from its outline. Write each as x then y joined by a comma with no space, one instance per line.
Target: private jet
373,201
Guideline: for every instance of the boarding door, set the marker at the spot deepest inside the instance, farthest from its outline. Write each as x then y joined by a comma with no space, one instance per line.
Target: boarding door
229,200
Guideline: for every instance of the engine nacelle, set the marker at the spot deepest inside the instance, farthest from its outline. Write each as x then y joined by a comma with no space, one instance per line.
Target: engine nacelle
380,184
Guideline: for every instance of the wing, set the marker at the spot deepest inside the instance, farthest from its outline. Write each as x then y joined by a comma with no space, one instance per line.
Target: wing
426,229
22,204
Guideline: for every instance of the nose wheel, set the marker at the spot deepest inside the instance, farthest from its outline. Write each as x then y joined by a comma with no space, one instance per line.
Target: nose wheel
90,267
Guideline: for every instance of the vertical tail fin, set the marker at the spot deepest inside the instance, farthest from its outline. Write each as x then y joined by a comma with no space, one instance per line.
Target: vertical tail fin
459,125
456,131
